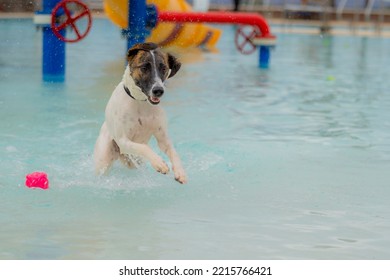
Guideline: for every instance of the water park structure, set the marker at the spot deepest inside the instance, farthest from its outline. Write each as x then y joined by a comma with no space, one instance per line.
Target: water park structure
165,22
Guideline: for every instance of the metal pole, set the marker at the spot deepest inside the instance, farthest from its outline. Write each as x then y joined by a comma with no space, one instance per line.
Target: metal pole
53,58
217,17
53,49
227,18
136,30
264,56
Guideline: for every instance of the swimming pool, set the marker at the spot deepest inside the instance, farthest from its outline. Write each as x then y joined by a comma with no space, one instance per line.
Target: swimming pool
286,163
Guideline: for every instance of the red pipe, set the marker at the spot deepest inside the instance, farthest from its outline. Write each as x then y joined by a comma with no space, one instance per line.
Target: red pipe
217,17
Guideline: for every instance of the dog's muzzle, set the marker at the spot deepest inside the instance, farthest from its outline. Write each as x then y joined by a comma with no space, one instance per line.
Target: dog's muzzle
157,92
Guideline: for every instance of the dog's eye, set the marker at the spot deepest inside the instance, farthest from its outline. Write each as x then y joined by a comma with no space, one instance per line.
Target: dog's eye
145,67
163,68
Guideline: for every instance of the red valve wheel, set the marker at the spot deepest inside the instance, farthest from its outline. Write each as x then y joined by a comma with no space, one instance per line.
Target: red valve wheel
65,14
244,38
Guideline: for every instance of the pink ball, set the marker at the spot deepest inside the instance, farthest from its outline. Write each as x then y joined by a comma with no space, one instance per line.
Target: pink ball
37,180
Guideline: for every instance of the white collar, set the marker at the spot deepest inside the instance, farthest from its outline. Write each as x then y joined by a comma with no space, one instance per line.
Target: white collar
136,91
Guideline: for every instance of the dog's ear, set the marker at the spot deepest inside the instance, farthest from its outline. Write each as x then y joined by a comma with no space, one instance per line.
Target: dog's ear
174,65
132,52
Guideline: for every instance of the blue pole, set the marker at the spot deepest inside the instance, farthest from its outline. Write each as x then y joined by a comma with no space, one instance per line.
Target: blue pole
53,59
264,56
53,49
136,31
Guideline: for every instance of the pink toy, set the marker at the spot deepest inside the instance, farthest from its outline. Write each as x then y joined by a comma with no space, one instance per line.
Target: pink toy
37,180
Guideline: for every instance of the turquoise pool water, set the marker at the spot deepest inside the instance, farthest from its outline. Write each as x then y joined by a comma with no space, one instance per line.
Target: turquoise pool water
287,163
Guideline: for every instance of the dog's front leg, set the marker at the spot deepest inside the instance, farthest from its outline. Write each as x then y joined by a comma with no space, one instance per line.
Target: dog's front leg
166,146
131,148
178,170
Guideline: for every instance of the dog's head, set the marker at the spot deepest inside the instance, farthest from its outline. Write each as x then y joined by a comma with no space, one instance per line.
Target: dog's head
149,69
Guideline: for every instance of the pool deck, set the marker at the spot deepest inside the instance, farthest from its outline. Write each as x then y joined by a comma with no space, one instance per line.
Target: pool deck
292,26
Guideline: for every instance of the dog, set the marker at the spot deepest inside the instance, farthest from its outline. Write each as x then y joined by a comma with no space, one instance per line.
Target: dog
133,114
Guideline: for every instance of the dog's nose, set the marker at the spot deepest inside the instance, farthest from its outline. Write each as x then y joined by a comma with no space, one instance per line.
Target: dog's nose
158,91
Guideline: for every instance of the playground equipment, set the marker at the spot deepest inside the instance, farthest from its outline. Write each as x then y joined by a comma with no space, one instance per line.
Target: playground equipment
165,22
168,33
53,19
172,22
259,35
69,20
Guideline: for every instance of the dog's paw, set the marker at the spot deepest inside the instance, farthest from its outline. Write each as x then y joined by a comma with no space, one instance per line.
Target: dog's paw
180,175
160,165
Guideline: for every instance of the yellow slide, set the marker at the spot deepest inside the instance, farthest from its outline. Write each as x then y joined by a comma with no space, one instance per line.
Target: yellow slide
167,34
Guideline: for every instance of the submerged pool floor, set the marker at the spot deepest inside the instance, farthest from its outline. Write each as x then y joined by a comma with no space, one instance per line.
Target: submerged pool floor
286,163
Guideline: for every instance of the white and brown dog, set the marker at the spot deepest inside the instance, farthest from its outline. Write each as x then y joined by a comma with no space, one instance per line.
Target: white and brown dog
133,114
